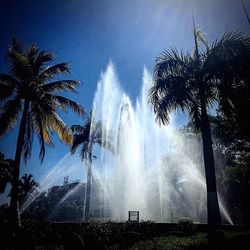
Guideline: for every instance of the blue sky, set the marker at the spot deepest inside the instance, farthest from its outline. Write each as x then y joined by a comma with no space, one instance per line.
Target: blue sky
88,33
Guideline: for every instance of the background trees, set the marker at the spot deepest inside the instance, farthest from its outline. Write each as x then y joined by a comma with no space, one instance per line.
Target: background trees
6,172
234,147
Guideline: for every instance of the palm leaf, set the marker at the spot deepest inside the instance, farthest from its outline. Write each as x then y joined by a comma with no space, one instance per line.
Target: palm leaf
28,138
8,80
41,60
52,71
68,103
32,53
16,45
170,88
5,91
78,129
19,65
55,123
9,115
86,152
61,85
40,133
78,140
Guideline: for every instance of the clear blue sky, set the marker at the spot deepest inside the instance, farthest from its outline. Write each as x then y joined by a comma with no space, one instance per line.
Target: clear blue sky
88,33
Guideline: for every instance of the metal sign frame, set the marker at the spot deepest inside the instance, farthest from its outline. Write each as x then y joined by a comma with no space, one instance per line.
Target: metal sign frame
133,214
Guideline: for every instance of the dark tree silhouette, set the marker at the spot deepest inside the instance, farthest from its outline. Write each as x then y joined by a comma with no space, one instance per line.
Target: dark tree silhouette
27,184
6,172
28,90
193,83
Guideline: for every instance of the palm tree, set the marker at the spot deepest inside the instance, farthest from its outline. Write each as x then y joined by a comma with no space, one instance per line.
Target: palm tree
27,184
193,83
30,91
87,135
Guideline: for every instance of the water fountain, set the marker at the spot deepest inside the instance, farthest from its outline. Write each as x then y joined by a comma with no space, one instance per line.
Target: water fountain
155,170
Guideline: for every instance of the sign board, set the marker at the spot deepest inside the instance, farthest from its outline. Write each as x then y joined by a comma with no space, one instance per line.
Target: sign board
133,216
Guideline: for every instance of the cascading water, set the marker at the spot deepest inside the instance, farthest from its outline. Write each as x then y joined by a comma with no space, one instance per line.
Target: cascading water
152,169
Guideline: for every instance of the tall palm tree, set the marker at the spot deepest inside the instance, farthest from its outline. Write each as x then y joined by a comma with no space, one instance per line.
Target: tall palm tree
193,83
86,136
28,90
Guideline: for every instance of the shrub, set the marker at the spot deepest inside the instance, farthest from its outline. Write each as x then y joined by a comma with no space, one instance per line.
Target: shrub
186,226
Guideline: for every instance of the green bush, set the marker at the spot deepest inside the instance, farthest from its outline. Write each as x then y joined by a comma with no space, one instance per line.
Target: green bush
186,226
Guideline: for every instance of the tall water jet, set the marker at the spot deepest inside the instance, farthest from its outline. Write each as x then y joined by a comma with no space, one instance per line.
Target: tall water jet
153,169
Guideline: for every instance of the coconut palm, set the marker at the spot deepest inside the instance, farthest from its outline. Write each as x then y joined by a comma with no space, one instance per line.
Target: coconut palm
30,92
193,83
86,136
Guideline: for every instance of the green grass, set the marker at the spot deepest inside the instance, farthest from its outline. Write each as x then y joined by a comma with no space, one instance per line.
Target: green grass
236,239
172,242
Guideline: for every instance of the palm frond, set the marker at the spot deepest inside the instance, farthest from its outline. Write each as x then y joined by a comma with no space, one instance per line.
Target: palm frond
16,45
32,53
52,71
201,38
28,138
230,37
39,121
41,60
19,65
86,152
227,63
40,133
162,109
8,80
9,115
194,111
228,55
5,91
78,140
61,85
55,123
78,129
65,103
170,88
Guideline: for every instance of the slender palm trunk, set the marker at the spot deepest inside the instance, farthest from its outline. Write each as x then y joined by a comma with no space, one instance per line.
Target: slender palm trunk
213,211
14,213
88,191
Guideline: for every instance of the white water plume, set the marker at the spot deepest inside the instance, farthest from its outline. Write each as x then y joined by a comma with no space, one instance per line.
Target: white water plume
68,164
154,170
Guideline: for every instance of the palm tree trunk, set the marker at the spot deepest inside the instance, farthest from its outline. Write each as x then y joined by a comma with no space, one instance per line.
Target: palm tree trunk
88,191
213,211
14,213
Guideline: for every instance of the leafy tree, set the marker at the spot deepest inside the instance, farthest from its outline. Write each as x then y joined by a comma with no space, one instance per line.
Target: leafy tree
28,90
86,136
234,146
193,83
6,172
26,185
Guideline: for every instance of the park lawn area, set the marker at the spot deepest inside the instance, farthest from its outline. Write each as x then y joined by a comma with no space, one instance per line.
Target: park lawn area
173,242
231,240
